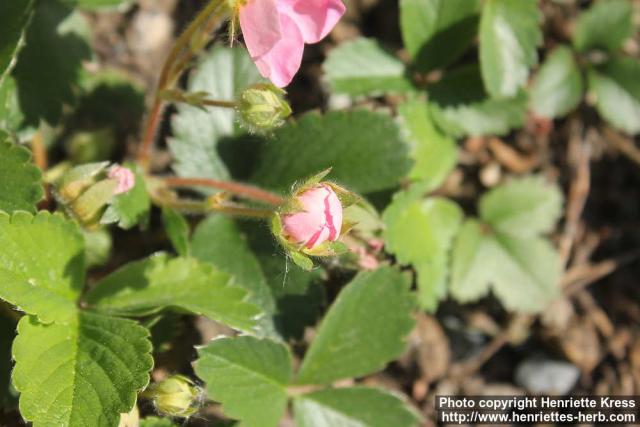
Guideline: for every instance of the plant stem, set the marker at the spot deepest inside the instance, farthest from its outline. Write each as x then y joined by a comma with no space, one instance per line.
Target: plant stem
179,56
243,190
216,103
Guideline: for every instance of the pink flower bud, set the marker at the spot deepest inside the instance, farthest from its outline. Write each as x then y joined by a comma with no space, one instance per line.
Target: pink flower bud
319,220
125,178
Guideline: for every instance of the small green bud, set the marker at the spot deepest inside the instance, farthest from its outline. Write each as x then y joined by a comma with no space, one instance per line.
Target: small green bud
76,180
263,107
176,396
90,146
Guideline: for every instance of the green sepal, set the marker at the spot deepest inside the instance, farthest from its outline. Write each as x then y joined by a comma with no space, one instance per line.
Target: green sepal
78,179
301,260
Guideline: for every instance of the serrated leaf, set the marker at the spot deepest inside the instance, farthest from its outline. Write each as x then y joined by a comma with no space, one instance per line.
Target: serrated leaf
21,187
223,73
606,25
363,330
94,368
364,150
41,264
558,87
145,287
177,229
524,207
218,240
420,232
617,90
248,376
351,407
434,154
437,32
48,67
363,67
460,106
522,272
14,18
509,34
131,208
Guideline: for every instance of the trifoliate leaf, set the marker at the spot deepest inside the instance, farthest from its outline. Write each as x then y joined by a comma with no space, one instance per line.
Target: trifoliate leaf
460,106
509,34
219,240
522,272
14,18
353,406
420,232
558,87
21,180
41,264
177,229
248,376
131,208
437,32
84,373
364,150
606,25
617,90
524,207
48,67
197,133
146,287
363,67
434,154
363,330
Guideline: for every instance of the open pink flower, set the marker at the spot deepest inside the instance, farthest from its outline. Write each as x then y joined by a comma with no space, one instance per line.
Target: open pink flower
275,32
125,178
319,220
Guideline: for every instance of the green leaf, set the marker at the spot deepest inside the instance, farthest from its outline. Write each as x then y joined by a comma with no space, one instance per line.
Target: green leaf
130,208
364,149
437,32
524,207
177,229
522,272
353,406
460,106
14,18
248,376
10,115
146,287
48,67
218,240
558,87
606,25
97,247
82,374
156,422
363,330
420,232
617,90
509,34
197,133
21,187
434,154
363,67
41,264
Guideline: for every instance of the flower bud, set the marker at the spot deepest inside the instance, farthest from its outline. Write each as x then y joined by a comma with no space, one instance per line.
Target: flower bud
176,396
319,220
86,190
263,108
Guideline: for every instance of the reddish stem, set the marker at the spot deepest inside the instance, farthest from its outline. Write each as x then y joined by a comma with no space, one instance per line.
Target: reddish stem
244,190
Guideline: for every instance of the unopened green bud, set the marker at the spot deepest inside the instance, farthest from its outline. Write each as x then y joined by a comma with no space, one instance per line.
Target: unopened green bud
177,396
263,107
90,205
75,181
90,146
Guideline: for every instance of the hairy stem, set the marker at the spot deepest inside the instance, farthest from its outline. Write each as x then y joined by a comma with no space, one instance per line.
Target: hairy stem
242,190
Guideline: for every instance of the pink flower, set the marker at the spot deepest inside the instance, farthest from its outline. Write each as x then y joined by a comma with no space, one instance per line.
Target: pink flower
275,32
126,179
320,219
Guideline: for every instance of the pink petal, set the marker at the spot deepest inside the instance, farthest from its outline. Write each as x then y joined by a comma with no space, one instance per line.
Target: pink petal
314,18
125,178
260,24
283,61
